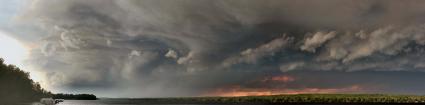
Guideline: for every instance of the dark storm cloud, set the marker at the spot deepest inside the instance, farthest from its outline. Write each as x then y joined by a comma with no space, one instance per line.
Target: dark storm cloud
186,47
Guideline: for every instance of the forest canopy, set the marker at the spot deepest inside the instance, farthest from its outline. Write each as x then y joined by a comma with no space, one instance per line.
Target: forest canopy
16,86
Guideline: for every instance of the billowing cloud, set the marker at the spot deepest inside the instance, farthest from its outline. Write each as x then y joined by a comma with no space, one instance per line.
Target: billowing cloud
317,40
156,48
291,66
171,54
252,55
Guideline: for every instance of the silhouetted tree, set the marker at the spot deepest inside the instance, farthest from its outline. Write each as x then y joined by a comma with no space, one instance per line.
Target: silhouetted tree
17,87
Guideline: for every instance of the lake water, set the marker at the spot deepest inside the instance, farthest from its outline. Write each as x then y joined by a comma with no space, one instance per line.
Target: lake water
120,102
141,102
105,102
116,102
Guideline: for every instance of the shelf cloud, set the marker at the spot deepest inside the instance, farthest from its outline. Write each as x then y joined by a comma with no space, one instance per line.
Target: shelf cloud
157,48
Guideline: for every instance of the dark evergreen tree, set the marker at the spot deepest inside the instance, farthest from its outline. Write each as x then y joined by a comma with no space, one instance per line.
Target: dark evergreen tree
17,87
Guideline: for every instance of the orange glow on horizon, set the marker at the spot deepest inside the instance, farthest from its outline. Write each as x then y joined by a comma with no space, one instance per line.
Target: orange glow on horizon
283,78
237,91
275,85
280,79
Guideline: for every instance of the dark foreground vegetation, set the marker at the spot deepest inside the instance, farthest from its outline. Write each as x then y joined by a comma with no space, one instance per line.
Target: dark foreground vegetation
75,96
296,99
17,87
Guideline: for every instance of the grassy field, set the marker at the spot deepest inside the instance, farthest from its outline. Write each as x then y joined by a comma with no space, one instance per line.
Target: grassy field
301,98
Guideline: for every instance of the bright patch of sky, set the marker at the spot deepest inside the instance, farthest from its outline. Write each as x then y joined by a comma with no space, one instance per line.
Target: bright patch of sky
12,51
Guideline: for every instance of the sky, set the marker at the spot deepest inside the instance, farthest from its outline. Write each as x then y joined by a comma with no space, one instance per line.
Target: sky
163,48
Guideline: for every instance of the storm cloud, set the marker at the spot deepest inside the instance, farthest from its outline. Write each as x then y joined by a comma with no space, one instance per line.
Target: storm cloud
157,48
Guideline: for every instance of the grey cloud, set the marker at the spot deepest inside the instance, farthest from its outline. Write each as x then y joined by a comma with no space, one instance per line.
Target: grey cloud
387,40
291,66
116,43
317,40
252,55
171,54
186,59
70,40
48,48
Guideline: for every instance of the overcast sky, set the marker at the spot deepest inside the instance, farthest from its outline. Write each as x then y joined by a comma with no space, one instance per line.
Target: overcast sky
165,48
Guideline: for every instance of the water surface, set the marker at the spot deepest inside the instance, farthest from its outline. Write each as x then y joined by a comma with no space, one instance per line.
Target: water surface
118,102
143,102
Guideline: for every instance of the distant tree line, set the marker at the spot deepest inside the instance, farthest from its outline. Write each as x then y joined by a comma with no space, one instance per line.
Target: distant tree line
17,87
74,96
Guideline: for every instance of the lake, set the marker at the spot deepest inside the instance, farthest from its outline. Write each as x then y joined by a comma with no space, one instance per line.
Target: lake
118,102
143,102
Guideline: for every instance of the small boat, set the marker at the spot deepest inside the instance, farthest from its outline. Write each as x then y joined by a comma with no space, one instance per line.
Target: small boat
47,101
50,101
58,100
